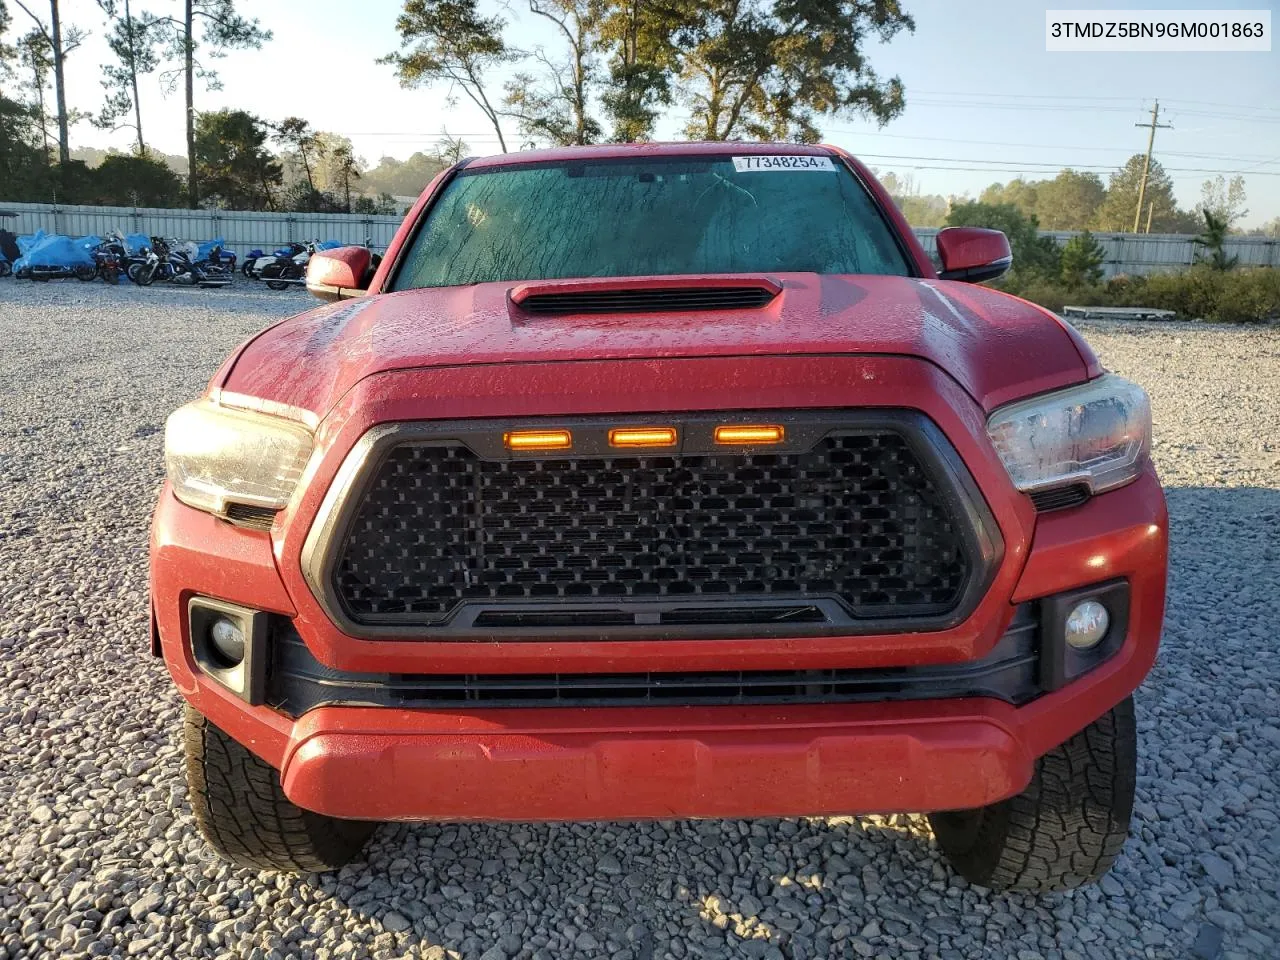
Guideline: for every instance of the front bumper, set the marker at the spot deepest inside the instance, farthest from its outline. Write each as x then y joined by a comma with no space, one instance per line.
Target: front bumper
664,762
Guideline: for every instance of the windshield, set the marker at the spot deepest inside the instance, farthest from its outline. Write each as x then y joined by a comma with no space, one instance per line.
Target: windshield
656,216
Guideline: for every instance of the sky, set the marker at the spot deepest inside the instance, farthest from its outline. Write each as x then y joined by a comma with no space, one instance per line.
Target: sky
984,101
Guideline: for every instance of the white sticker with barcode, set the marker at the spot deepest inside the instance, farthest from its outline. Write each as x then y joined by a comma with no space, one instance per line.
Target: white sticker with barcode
773,161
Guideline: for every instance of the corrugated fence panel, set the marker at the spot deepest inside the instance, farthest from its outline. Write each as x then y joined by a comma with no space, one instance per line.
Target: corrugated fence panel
1141,253
244,230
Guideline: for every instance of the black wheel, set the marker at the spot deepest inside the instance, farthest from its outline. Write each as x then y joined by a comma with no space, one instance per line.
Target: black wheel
276,284
86,274
243,813
5,268
1066,828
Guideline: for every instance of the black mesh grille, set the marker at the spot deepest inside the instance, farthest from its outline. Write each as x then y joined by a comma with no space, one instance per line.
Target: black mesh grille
856,518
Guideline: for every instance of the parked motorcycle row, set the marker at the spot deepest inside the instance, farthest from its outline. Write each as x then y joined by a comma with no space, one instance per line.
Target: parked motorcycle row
146,260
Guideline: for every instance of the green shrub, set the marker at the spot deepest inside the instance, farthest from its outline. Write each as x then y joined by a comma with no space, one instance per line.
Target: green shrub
1192,294
1249,295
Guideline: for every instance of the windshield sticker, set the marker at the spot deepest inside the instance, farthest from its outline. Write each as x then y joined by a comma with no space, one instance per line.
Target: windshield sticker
769,161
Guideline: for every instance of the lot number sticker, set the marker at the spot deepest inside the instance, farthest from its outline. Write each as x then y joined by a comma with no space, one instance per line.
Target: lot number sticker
768,161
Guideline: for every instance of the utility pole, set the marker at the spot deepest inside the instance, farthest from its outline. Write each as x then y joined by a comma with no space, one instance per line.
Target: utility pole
1151,208
1146,166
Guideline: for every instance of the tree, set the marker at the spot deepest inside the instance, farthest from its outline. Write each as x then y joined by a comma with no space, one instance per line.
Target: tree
222,29
1082,258
447,41
1018,192
24,164
555,109
449,150
1116,212
767,69
132,40
60,46
1212,242
34,55
232,165
297,134
1269,229
638,38
7,52
383,205
408,178
1069,201
1032,253
345,169
1225,200
143,181
921,210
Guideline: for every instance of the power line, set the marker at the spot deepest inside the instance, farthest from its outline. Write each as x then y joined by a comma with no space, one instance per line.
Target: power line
1044,164
1249,158
1090,98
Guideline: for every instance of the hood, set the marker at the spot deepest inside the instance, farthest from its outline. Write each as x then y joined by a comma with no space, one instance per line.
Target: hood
997,347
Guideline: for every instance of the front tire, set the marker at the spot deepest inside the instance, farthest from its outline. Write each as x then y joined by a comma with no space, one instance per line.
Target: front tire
1066,828
243,813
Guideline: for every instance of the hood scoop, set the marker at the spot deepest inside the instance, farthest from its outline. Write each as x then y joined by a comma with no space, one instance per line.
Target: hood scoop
643,294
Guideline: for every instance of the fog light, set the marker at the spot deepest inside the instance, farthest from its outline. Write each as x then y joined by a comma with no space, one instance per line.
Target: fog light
226,637
1087,624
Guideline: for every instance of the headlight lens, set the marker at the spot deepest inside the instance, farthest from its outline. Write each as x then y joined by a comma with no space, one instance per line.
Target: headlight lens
1098,433
216,456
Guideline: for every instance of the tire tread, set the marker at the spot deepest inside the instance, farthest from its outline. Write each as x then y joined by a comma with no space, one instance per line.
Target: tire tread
1066,828
243,813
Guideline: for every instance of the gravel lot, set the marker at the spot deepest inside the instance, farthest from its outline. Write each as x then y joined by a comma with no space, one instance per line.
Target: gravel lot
99,855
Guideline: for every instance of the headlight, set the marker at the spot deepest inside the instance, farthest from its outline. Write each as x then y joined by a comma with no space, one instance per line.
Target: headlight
1098,434
216,456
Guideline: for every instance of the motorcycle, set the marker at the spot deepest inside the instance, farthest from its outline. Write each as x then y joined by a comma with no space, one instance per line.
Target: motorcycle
257,261
143,267
284,272
173,262
109,259
212,256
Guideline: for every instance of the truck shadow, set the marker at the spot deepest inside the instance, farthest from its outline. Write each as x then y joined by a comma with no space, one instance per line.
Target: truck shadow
862,886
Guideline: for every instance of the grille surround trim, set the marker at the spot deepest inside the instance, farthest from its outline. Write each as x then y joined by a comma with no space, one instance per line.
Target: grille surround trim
976,526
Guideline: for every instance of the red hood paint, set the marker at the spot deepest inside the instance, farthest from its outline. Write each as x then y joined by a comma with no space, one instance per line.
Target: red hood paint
997,347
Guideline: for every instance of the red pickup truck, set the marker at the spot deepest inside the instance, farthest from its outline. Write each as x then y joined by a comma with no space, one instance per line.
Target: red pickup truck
663,481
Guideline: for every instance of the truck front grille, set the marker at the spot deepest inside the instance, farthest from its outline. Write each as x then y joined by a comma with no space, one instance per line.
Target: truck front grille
868,523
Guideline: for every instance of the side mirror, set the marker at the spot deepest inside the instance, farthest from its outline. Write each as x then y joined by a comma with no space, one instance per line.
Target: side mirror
340,273
973,254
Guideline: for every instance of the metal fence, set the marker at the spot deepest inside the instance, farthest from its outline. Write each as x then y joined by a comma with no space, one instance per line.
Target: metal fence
1141,253
1131,253
242,230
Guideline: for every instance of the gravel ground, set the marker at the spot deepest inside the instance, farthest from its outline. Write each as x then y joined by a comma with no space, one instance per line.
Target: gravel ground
101,857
